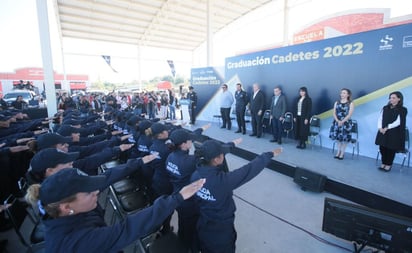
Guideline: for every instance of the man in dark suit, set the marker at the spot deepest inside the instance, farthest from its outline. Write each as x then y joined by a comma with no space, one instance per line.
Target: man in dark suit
192,96
257,105
277,111
242,100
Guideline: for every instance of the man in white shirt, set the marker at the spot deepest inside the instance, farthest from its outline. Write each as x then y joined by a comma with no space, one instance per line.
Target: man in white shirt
226,101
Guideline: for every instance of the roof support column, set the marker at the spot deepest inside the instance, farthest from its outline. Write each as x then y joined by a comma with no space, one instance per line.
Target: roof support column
139,67
209,10
42,16
285,23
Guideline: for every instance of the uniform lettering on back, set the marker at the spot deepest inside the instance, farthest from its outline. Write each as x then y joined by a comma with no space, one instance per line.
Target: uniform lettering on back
205,194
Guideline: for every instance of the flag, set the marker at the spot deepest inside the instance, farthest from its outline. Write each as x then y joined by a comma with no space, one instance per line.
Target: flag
107,59
172,67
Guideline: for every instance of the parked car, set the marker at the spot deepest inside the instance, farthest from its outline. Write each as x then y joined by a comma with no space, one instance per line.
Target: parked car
27,95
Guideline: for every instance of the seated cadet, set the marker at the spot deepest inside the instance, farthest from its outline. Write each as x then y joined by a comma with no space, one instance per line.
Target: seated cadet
215,226
70,199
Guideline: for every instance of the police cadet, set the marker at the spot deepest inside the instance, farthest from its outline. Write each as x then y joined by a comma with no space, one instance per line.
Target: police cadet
160,181
180,165
70,199
50,160
215,225
192,96
242,100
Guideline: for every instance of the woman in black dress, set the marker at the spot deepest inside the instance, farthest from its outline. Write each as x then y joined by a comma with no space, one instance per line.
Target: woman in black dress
303,112
391,130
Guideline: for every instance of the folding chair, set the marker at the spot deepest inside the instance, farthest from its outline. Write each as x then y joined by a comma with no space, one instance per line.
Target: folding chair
17,213
314,132
158,243
355,138
32,213
287,123
266,122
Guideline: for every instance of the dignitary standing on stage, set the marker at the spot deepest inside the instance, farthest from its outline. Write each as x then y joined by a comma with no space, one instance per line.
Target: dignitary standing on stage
303,112
277,111
391,130
257,106
341,129
192,96
242,100
226,101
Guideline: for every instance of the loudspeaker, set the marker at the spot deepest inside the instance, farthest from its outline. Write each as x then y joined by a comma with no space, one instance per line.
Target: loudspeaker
309,180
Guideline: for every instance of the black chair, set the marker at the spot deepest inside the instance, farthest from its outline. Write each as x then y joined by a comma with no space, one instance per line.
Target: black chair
32,212
287,123
405,152
125,196
266,122
159,243
314,132
17,214
355,138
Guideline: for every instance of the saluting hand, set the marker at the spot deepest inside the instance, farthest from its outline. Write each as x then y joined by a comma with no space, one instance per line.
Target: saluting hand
277,151
149,158
125,147
237,141
205,127
189,190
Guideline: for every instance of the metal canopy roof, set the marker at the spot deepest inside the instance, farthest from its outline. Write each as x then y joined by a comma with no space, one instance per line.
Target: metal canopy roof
174,24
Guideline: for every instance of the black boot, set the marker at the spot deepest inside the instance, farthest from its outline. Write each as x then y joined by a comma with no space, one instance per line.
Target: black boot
299,145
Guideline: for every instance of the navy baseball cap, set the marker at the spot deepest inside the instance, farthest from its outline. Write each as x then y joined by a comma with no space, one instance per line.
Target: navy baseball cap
180,136
157,128
211,149
133,120
68,182
48,140
50,158
67,130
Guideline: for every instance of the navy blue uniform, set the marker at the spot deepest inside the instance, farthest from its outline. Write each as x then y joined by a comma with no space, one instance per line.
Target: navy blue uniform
180,165
215,226
87,232
160,181
242,99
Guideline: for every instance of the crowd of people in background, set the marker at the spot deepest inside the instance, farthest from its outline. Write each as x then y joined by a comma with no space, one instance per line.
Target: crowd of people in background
161,104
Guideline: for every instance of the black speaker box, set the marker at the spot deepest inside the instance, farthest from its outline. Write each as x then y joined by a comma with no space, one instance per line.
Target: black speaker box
309,180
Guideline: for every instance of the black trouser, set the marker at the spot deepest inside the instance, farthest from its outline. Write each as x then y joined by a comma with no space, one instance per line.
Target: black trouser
257,124
387,155
216,236
192,114
188,215
240,118
277,129
225,113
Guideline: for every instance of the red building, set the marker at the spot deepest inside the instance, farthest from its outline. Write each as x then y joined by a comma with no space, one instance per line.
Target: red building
35,77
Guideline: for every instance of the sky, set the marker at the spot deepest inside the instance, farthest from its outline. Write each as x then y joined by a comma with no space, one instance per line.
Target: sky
20,43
